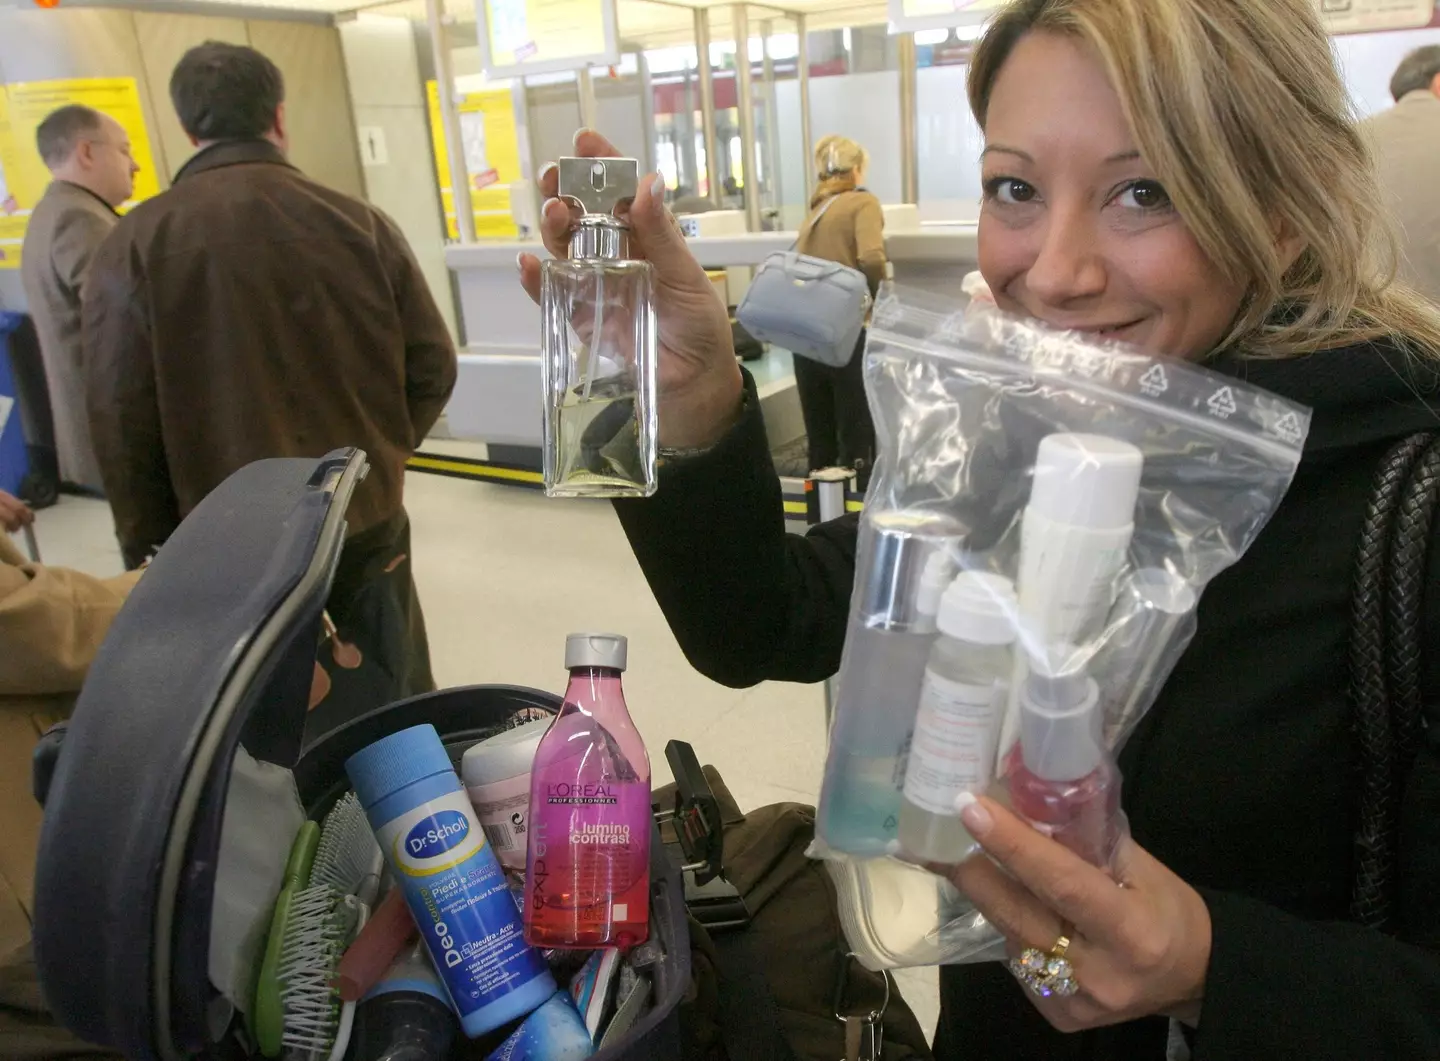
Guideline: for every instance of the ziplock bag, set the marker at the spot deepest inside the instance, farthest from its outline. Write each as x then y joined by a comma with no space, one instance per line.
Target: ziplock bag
1044,515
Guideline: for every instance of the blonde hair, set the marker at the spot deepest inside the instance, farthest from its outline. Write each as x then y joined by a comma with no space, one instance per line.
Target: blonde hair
838,161
1240,108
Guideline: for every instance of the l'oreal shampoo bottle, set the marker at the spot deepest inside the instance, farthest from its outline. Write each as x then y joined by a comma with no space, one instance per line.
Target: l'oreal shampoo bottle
587,883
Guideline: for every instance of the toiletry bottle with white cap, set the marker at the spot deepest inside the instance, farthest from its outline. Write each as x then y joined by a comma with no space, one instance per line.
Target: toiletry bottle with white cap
587,881
1060,778
1074,535
962,706
907,560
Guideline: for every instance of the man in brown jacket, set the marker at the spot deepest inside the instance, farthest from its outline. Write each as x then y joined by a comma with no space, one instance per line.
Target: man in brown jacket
51,624
250,312
88,155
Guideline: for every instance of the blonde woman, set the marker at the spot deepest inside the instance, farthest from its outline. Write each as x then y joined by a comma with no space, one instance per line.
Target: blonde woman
1184,175
845,225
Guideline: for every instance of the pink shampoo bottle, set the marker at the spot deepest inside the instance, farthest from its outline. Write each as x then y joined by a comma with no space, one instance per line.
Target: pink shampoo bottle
587,882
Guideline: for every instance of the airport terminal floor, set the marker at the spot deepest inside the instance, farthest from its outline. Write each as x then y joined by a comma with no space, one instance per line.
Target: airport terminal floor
477,551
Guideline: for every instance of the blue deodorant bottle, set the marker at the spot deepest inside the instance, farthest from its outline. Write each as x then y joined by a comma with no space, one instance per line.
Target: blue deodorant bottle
450,877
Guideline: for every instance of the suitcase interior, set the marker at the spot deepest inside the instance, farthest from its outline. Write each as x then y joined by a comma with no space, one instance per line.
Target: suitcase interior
214,652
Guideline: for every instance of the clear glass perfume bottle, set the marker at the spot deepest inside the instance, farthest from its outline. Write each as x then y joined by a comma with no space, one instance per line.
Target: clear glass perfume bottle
598,344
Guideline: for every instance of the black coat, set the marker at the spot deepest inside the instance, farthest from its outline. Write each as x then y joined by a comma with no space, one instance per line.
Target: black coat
1241,778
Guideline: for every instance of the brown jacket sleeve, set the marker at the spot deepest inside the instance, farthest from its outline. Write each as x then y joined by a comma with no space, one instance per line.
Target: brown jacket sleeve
78,235
52,621
121,399
430,365
870,241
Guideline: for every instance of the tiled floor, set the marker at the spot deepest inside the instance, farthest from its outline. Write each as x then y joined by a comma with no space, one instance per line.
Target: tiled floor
504,575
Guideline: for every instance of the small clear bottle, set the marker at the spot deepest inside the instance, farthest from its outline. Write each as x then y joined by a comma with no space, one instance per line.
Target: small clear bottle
962,707
906,559
598,344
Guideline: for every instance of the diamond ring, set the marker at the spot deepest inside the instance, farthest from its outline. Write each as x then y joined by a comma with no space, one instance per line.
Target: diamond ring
1047,974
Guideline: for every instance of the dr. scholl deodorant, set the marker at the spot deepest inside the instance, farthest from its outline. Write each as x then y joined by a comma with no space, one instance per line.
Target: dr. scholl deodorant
451,879
588,865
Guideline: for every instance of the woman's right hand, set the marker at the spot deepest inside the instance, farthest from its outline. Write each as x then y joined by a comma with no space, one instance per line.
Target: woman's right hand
700,386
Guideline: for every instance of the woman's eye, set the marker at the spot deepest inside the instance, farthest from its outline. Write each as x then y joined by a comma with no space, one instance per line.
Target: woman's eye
1148,196
1009,190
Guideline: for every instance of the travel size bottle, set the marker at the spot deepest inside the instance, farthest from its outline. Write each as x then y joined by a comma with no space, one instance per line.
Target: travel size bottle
1060,778
587,881
598,343
906,559
962,707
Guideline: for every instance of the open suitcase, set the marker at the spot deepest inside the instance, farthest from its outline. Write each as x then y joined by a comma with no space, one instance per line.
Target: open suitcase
213,654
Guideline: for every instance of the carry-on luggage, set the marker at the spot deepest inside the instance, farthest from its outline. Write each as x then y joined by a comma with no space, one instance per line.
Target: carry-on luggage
205,678
212,659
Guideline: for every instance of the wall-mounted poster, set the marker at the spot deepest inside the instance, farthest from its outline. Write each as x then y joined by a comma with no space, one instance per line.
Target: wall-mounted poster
23,176
492,158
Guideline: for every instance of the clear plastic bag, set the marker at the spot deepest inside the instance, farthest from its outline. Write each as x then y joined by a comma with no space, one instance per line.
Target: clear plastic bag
1044,515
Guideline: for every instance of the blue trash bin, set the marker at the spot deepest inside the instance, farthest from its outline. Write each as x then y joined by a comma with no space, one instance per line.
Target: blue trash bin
14,455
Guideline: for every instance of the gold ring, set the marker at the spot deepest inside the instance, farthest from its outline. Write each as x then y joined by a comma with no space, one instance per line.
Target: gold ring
1046,974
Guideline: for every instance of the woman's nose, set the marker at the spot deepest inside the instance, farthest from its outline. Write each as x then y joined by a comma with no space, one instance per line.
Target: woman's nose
1068,264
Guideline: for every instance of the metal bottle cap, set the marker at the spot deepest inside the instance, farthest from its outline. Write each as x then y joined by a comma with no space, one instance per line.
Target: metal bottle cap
596,650
599,186
913,562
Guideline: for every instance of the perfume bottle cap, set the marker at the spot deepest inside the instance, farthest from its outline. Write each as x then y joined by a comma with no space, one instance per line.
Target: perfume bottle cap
912,565
609,651
979,608
1086,481
599,185
1059,723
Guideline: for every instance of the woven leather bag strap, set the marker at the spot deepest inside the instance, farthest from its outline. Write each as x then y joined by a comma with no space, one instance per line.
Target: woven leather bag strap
1385,660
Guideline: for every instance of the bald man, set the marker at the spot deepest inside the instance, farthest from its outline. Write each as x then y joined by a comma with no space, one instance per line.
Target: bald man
88,155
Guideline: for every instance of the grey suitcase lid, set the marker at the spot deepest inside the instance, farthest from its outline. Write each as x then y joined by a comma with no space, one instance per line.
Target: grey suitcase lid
214,648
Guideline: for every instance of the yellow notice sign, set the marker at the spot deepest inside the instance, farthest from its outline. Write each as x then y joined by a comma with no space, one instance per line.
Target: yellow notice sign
23,106
549,34
492,159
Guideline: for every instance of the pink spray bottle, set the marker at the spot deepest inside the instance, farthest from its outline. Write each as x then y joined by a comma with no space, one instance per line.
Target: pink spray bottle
587,883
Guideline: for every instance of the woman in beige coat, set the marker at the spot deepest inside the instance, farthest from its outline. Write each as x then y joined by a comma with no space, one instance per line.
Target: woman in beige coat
845,225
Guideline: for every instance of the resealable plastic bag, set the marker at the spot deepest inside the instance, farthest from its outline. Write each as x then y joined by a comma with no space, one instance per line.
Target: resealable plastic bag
1044,515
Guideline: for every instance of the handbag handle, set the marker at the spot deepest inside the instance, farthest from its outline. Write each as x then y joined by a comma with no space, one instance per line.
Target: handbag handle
1386,644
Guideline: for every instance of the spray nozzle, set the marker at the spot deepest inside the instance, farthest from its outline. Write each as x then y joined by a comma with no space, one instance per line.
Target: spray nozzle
599,185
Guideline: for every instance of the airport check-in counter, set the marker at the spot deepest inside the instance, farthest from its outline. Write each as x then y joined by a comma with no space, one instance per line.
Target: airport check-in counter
497,398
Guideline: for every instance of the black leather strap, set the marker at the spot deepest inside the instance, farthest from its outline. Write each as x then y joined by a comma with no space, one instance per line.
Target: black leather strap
1385,659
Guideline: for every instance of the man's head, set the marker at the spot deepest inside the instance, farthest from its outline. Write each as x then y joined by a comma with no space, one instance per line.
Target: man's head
229,92
1418,71
83,146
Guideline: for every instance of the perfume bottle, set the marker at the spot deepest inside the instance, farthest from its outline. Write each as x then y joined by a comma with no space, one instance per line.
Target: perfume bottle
598,343
587,881
1061,780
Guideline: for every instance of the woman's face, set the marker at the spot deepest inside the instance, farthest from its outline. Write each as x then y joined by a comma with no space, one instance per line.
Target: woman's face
1075,230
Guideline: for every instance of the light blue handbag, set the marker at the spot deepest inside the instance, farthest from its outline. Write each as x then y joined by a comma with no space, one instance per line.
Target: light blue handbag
810,306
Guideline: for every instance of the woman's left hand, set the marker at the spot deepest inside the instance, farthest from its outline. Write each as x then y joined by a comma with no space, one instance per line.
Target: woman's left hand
1137,950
